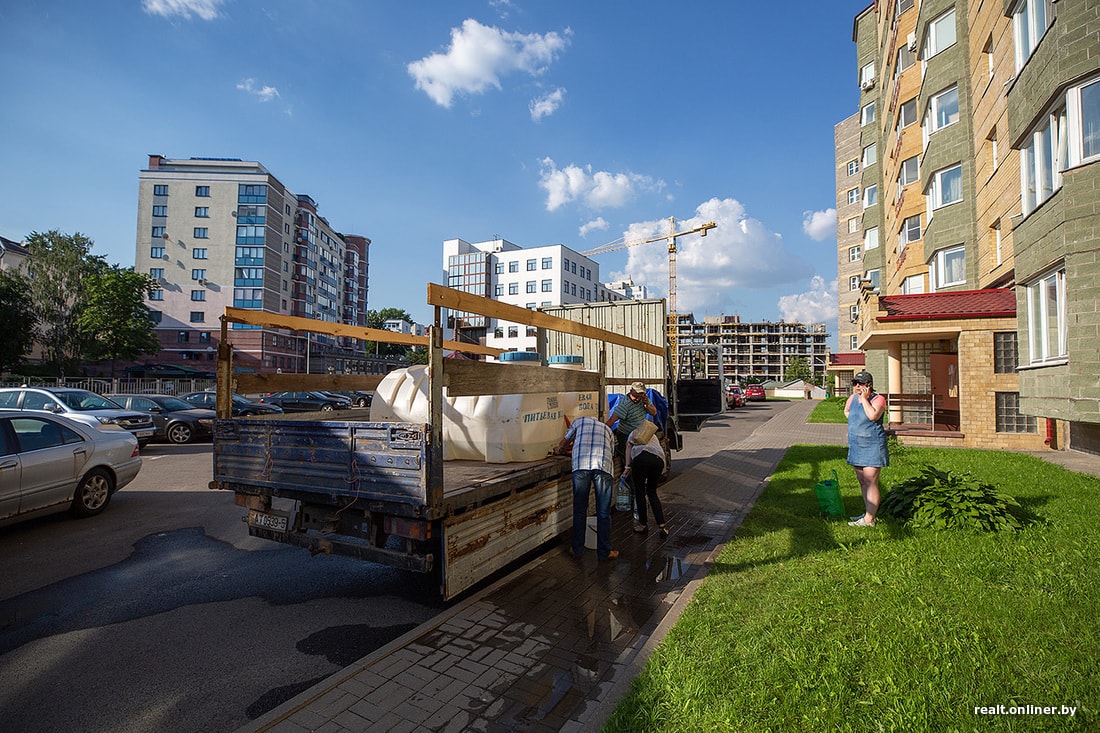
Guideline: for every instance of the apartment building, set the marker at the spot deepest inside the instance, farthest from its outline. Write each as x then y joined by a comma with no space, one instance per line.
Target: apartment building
758,351
940,185
216,232
852,242
532,277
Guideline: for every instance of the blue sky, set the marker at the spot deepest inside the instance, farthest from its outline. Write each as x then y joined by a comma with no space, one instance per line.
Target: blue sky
571,122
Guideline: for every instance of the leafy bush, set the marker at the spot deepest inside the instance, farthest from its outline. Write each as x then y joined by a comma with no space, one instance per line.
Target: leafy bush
946,500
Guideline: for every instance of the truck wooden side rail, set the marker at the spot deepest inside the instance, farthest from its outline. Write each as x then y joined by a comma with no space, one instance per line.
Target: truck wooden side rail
339,483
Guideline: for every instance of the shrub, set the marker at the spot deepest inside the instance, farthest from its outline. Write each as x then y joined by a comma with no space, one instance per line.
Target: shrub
946,500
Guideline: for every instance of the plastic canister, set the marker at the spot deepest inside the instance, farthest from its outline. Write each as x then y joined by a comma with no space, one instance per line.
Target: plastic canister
575,404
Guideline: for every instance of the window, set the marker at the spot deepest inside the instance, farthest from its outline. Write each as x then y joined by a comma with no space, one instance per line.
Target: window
202,191
872,276
159,232
853,283
855,254
157,253
943,110
948,267
912,285
547,263
498,289
573,267
905,59
907,113
498,332
1030,21
853,342
160,190
513,288
853,196
853,167
202,212
853,225
156,272
867,75
867,114
941,35
160,211
995,236
183,337
198,317
1009,417
565,264
513,332
547,286
198,295
910,171
531,265
572,288
199,253
870,196
204,337
202,233
155,316
513,266
870,238
532,286
853,313
1046,318
1004,352
1083,103
198,274
156,295
910,231
870,155
1042,160
994,157
945,187
904,5
499,268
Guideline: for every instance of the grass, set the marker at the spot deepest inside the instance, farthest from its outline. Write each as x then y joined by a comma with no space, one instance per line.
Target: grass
830,409
809,625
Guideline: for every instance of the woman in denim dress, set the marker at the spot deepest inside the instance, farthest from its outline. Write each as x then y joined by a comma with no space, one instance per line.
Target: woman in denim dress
866,442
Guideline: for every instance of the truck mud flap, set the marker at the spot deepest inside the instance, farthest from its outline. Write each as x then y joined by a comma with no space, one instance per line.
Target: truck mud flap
480,542
347,546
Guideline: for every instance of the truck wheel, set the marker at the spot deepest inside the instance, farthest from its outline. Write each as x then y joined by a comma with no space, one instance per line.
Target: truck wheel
93,493
179,433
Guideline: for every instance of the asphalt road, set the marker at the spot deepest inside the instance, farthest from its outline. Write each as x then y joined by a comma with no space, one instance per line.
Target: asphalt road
162,614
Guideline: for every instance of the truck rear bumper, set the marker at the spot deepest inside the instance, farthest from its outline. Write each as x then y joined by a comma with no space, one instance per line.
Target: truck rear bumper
347,546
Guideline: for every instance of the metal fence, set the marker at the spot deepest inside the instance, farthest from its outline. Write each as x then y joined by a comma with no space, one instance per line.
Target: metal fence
118,385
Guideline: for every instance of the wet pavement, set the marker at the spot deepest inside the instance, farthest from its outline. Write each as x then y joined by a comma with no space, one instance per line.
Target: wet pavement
555,645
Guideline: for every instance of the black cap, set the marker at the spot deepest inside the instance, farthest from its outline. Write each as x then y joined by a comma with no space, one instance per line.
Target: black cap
863,378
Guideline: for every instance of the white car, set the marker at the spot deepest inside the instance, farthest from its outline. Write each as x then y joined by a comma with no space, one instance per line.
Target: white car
49,463
80,405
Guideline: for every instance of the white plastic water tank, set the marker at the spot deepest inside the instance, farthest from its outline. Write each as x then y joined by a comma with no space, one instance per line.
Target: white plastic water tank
491,428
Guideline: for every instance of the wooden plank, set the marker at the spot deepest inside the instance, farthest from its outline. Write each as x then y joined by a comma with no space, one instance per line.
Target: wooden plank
456,300
297,323
249,383
469,378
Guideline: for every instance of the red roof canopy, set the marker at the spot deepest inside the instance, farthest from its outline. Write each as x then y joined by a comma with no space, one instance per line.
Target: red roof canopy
988,303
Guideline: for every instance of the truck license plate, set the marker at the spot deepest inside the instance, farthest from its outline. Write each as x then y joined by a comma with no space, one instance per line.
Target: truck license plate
277,522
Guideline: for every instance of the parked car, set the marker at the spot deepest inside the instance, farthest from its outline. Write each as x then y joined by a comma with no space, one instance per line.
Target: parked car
358,397
241,406
755,393
735,396
304,402
49,463
176,421
78,404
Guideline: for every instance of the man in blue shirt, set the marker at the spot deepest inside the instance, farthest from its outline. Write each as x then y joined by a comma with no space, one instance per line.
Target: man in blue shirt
593,455
630,411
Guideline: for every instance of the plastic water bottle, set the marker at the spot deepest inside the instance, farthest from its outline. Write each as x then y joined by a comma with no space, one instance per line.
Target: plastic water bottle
622,496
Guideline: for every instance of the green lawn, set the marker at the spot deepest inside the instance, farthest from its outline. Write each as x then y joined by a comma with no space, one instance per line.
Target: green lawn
830,409
810,625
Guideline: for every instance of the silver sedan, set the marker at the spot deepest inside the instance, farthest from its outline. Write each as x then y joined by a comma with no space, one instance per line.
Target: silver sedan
49,463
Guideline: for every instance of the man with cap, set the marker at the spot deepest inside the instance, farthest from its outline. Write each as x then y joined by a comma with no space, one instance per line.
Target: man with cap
630,411
867,452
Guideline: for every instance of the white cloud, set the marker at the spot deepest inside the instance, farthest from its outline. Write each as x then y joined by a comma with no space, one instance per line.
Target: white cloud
817,305
204,9
596,190
819,225
596,224
546,105
739,254
264,93
479,56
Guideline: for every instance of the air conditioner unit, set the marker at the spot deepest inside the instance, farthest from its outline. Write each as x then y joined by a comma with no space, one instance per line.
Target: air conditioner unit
162,281
202,281
165,235
868,84
233,214
911,42
164,256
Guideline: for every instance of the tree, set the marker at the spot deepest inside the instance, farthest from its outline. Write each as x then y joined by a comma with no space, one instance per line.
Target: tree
17,315
114,318
798,368
376,319
59,268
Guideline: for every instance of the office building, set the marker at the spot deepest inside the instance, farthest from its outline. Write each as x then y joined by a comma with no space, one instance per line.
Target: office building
226,232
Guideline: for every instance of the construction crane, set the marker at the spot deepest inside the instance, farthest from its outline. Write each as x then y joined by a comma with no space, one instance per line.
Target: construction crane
671,237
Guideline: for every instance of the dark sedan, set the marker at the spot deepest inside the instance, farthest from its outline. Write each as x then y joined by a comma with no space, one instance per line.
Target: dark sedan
175,420
241,406
305,401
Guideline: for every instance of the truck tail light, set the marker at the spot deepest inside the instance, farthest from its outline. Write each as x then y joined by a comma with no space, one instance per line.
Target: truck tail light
412,529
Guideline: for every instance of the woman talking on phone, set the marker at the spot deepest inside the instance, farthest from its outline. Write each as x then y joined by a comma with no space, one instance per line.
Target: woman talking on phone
866,442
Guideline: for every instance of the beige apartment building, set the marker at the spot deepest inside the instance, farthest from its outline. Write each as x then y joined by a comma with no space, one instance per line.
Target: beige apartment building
938,314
